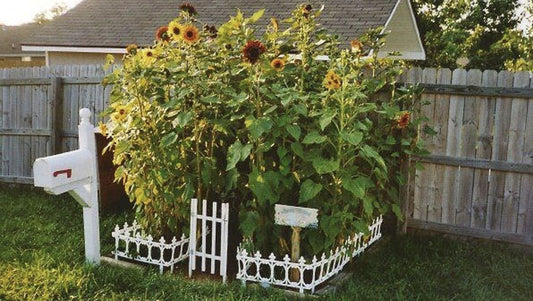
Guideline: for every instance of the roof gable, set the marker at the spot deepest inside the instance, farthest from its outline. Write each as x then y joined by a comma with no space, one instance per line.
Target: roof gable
117,23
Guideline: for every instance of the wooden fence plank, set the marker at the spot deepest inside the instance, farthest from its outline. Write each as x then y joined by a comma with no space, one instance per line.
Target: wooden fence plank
55,114
14,95
524,185
26,122
455,121
485,119
514,154
4,145
440,118
467,148
499,153
525,221
415,76
424,182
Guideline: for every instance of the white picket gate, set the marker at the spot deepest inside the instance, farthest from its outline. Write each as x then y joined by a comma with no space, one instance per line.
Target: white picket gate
209,225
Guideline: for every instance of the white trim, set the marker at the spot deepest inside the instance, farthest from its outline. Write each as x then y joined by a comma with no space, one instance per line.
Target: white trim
73,49
391,15
406,55
47,59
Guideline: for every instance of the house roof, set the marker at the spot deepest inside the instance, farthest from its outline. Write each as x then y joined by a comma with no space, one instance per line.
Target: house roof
118,23
11,36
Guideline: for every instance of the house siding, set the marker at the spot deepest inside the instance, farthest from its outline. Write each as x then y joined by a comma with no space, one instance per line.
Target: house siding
16,62
78,58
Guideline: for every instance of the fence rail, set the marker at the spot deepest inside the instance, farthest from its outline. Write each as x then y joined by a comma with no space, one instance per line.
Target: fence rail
479,175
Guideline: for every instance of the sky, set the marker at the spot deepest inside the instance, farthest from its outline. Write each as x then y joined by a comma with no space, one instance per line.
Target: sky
15,12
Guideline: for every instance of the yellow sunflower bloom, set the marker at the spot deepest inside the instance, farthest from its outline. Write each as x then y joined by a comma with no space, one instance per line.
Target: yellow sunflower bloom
175,29
190,34
278,64
332,80
121,112
103,128
148,56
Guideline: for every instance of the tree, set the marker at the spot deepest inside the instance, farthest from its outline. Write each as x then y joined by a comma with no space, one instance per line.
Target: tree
47,15
484,31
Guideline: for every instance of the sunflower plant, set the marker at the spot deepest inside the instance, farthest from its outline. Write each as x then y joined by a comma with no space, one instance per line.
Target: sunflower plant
226,115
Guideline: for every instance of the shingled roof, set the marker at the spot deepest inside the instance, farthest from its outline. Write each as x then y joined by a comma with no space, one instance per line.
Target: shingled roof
11,36
117,23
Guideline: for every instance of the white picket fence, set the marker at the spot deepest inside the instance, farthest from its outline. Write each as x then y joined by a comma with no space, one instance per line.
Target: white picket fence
252,267
131,244
209,233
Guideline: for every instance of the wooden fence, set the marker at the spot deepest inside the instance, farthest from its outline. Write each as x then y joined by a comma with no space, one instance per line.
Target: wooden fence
478,180
39,113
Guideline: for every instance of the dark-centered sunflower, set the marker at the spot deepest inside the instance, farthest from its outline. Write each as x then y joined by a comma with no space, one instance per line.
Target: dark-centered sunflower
162,34
188,8
190,34
252,50
174,29
403,119
277,64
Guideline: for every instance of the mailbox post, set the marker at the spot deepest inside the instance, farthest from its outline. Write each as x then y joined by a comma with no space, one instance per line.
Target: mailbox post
76,172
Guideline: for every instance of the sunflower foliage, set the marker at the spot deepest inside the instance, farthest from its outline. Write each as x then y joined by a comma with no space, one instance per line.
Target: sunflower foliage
225,115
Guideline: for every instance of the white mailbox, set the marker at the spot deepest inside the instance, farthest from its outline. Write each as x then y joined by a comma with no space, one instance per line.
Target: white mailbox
76,172
63,172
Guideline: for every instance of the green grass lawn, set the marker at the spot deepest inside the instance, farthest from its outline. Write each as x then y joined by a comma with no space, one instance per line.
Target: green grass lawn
42,255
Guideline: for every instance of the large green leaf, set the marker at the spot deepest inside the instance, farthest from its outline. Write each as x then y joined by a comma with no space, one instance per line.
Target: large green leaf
168,139
258,127
357,186
249,221
326,119
308,190
353,138
369,153
182,119
237,152
313,137
331,225
294,130
234,155
368,206
297,149
323,166
256,16
264,186
397,211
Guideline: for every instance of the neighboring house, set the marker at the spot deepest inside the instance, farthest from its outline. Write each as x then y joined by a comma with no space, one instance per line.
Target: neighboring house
94,28
11,54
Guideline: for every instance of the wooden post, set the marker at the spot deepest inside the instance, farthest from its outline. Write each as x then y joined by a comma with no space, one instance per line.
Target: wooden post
404,191
55,115
295,252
